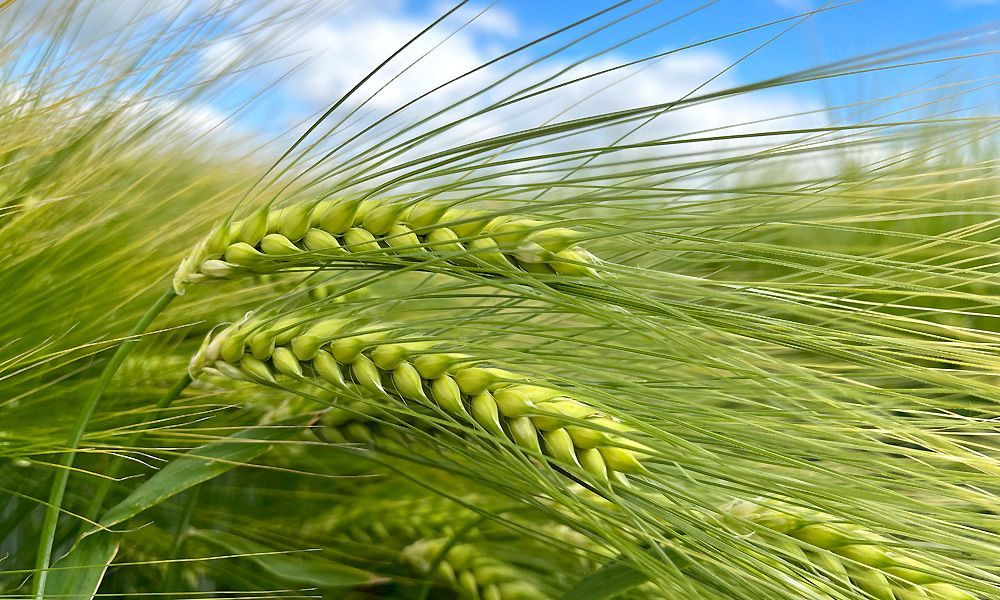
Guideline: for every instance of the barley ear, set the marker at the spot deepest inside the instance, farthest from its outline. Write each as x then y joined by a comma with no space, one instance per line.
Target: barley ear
863,558
508,408
313,234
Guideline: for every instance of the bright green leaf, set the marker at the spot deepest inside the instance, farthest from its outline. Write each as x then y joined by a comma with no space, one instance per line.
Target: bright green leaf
201,464
79,573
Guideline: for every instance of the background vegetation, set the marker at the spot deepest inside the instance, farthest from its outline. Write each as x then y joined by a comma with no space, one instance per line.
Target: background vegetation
797,313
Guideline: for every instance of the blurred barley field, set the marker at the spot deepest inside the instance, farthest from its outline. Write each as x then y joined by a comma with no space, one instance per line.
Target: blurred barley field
726,347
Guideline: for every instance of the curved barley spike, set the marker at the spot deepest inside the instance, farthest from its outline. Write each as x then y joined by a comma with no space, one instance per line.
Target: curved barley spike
333,354
309,235
845,551
471,573
411,518
545,422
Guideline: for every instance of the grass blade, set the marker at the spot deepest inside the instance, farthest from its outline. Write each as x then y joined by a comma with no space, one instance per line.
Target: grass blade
201,464
79,574
299,569
58,489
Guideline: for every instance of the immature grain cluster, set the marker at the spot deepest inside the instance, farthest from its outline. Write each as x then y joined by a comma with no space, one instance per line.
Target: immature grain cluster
396,523
337,354
473,574
412,530
314,234
852,553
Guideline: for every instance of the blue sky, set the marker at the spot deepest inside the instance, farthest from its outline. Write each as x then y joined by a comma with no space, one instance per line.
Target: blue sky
341,45
323,47
864,26
333,50
860,27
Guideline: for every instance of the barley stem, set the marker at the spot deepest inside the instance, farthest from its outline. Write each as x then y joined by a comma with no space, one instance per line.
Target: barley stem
58,490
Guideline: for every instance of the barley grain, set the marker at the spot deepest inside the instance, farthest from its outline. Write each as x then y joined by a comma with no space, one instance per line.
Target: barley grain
472,573
310,235
847,552
333,353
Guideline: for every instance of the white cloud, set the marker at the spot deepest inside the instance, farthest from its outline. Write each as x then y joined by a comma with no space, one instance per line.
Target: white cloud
341,49
343,53
330,55
196,118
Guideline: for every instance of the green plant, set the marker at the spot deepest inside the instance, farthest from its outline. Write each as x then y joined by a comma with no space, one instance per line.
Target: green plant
321,234
337,354
796,307
845,551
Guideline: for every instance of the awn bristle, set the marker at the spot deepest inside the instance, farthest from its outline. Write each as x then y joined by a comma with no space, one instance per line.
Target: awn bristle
311,235
331,354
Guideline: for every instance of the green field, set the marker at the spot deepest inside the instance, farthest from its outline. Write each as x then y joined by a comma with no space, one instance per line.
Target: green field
409,361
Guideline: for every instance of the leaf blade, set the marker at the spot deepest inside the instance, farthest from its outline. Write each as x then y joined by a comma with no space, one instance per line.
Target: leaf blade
199,465
78,575
297,568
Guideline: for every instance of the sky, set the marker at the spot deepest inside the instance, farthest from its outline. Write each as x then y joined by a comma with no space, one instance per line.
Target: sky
862,26
320,54
341,49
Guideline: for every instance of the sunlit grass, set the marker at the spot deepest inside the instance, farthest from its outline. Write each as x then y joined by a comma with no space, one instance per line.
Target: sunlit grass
799,310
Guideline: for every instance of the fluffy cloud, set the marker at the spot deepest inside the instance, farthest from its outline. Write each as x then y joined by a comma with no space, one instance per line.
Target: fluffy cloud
333,54
329,55
320,49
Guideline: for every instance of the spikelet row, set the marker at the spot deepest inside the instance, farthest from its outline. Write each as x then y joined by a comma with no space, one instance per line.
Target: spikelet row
847,552
312,234
474,575
412,530
333,354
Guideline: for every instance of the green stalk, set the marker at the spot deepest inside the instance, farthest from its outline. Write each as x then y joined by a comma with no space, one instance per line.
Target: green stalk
58,490
116,464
